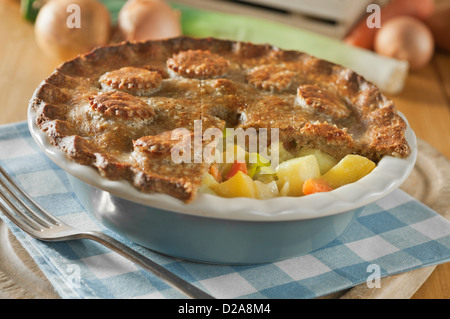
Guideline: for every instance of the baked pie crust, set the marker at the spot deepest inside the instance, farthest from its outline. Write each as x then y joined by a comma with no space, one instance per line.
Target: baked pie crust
137,81
117,108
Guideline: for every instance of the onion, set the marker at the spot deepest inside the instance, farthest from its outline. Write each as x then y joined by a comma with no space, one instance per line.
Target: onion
141,20
406,38
439,24
65,28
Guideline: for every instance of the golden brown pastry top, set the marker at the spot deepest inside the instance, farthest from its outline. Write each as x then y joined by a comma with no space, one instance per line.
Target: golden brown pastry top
120,105
118,108
138,81
198,64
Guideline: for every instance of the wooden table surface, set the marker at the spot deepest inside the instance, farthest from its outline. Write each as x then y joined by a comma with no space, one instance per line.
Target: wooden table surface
425,101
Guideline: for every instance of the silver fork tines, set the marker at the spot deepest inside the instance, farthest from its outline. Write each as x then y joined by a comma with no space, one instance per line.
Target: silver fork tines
24,212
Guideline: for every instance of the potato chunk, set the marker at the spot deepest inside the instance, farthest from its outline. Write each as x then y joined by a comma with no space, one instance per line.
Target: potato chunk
325,161
208,183
296,171
266,190
240,185
349,170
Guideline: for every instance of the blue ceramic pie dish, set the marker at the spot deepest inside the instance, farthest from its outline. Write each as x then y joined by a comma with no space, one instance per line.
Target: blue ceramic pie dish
218,230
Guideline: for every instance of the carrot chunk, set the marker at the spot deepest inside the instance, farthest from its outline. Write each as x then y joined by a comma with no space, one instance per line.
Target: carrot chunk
236,167
214,171
315,185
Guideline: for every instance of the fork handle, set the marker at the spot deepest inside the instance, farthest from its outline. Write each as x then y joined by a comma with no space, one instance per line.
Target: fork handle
144,262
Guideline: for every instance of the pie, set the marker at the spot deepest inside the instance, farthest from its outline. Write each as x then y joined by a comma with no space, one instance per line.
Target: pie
118,107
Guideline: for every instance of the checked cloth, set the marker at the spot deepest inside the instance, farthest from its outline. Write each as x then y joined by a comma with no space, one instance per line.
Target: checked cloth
391,236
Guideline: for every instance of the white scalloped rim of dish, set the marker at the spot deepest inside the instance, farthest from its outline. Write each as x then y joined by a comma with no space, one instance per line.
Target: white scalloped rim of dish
389,174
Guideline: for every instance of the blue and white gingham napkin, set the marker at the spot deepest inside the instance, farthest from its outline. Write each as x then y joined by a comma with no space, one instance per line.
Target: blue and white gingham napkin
393,235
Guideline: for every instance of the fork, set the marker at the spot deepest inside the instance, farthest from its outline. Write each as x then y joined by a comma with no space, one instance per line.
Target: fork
23,211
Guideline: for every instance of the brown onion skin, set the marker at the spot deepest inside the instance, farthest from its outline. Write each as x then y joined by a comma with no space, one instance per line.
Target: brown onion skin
141,20
439,24
406,38
58,40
